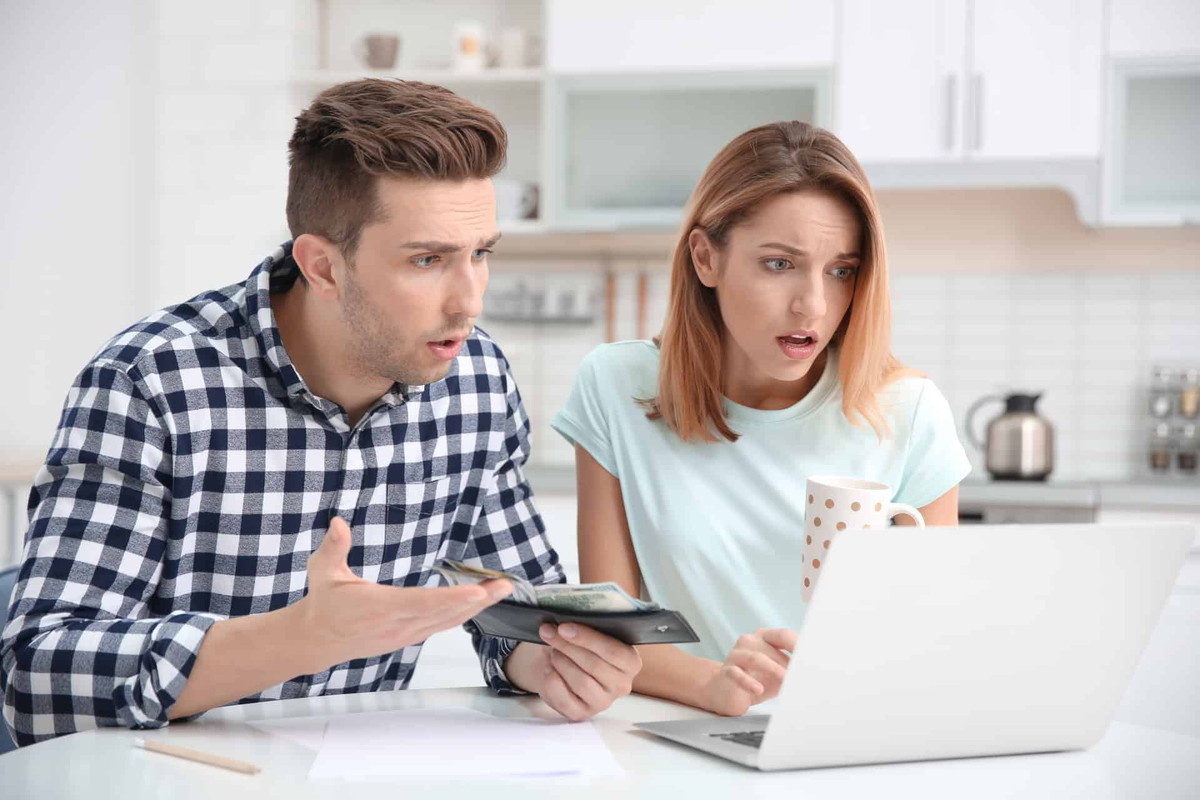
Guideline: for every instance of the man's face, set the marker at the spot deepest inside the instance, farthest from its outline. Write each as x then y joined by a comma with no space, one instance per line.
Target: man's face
418,277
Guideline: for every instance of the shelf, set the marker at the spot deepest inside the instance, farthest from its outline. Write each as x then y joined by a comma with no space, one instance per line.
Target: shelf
444,77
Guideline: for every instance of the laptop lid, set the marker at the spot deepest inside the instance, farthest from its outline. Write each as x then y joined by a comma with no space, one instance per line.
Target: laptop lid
979,640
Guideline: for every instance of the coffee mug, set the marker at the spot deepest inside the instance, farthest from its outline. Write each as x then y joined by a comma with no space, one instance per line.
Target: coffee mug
835,504
379,50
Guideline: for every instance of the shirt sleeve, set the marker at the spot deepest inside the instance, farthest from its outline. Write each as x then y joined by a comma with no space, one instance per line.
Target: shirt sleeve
509,534
82,647
583,421
935,461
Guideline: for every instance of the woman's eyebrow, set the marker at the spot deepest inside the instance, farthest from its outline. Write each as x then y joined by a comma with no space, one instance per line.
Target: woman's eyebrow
796,251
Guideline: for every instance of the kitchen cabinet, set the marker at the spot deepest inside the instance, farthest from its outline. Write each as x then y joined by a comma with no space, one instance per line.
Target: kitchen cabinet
943,80
632,35
1154,29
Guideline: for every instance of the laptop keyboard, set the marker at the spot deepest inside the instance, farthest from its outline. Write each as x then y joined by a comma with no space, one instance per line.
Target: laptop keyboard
748,738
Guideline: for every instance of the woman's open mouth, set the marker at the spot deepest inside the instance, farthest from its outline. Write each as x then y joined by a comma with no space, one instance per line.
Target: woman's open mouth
799,345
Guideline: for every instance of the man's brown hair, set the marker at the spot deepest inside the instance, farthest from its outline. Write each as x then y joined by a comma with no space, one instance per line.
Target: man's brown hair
355,132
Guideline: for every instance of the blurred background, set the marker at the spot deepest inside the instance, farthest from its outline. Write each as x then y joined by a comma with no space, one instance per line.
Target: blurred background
1037,163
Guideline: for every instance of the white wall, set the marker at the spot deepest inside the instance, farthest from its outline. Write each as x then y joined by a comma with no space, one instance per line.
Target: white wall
75,124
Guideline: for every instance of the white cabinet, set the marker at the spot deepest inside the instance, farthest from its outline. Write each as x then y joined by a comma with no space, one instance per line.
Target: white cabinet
900,76
634,35
971,79
1154,28
1036,78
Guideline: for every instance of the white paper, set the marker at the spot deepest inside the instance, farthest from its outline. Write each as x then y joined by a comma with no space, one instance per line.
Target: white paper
393,745
307,732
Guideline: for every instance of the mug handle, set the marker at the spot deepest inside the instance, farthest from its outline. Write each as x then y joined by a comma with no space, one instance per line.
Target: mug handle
896,509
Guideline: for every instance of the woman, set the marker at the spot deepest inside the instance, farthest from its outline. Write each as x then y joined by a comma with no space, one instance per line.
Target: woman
774,364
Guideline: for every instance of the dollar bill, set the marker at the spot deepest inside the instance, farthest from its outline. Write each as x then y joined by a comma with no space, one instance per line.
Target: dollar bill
594,597
589,597
457,573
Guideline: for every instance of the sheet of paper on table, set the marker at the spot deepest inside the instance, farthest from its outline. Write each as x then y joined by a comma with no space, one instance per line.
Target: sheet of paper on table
451,741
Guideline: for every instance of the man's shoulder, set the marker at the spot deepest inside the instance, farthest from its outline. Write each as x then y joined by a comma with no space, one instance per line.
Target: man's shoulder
206,323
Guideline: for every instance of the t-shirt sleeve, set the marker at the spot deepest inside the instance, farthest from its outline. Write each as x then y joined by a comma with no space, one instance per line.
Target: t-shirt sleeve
935,461
584,420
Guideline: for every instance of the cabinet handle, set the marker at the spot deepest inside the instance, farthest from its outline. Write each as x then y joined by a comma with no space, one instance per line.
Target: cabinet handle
978,108
950,101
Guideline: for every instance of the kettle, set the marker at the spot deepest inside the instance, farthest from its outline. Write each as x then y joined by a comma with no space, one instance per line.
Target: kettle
1019,445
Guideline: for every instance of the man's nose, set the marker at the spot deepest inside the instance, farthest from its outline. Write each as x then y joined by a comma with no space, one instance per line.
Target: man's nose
467,284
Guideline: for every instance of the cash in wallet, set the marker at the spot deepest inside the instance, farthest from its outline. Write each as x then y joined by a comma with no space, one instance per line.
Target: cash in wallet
605,607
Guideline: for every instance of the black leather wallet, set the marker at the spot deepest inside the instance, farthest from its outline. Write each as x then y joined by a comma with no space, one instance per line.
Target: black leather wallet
510,620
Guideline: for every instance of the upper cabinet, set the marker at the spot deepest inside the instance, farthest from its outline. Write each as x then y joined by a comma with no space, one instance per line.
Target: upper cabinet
1036,78
901,70
633,35
962,79
1154,28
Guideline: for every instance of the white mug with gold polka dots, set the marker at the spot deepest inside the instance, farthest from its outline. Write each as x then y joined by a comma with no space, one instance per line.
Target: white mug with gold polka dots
837,504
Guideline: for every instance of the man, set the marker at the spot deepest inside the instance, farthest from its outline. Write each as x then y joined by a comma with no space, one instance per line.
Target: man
247,492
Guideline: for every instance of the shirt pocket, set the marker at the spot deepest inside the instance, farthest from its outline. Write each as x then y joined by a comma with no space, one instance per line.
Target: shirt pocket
424,509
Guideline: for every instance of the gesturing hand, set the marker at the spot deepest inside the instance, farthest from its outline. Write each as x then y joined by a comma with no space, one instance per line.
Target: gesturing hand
346,617
752,673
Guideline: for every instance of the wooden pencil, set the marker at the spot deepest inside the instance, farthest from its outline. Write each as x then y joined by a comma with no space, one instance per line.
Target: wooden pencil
197,755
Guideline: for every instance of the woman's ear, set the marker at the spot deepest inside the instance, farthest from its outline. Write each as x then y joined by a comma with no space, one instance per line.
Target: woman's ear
704,257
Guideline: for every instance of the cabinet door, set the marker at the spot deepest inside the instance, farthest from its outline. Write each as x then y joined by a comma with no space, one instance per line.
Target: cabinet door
1154,28
1037,76
619,35
901,72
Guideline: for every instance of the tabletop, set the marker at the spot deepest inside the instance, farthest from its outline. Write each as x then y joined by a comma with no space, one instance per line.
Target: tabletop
1130,761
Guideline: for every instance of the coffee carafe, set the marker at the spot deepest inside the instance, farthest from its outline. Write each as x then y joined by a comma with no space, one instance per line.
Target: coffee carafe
1019,444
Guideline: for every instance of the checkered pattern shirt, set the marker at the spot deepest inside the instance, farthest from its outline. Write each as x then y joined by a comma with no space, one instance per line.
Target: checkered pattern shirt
193,474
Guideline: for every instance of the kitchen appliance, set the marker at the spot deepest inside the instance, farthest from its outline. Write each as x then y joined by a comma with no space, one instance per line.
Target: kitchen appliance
1019,444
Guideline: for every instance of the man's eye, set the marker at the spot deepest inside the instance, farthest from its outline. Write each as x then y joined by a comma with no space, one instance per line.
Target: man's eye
425,261
480,254
777,264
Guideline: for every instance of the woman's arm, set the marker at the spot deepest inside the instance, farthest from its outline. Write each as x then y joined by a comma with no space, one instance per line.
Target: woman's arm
943,511
755,668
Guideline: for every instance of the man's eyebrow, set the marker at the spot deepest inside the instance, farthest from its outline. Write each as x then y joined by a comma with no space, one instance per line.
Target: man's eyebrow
446,247
796,251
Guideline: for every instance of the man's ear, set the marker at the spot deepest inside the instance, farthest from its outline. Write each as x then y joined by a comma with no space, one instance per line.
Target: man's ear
704,257
320,262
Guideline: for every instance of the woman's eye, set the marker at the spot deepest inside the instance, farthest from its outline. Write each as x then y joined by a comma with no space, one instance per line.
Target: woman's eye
425,261
844,273
777,264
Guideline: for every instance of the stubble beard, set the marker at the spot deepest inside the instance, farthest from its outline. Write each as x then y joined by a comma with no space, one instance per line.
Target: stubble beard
373,346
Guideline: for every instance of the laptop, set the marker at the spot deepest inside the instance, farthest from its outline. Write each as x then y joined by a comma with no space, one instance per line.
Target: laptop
957,642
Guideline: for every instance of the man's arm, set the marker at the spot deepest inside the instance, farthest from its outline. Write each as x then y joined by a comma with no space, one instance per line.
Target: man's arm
81,647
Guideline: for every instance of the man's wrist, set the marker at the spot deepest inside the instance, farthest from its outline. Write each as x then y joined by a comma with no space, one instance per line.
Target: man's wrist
520,667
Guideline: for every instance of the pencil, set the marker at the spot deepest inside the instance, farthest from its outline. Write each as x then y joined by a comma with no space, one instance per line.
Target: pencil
197,755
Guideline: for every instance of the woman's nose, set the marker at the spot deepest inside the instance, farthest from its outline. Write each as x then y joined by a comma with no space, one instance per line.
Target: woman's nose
809,300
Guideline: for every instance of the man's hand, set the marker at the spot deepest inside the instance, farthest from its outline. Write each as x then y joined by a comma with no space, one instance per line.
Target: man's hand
346,617
752,673
579,674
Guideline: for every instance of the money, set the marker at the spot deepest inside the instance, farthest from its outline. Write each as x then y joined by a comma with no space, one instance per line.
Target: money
457,573
587,597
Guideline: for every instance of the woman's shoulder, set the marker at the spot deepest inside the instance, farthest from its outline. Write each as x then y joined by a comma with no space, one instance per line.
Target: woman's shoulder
622,362
912,398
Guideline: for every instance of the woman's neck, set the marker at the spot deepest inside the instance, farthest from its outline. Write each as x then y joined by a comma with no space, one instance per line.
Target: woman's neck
746,386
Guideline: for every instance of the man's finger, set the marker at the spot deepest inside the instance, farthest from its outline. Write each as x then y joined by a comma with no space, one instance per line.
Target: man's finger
612,679
594,696
559,696
620,655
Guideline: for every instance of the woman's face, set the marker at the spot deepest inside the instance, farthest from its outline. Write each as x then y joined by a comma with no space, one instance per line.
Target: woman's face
784,281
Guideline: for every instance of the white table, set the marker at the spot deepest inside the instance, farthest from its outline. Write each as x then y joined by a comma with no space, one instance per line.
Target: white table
1131,761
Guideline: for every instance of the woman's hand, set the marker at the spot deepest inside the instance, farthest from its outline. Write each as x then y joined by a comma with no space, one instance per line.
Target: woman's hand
752,673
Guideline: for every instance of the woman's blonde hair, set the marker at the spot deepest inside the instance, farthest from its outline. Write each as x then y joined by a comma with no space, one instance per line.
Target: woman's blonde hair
762,163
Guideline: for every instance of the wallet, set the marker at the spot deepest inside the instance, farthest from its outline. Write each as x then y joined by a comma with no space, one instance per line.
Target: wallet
510,620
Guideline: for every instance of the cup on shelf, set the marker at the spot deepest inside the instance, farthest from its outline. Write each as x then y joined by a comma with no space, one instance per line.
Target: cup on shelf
516,48
468,47
379,50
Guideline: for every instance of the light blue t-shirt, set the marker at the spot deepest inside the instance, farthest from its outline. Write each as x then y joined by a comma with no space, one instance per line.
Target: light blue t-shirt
718,526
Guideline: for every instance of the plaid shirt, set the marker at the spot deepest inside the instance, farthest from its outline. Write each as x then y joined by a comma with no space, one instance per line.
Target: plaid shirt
193,474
